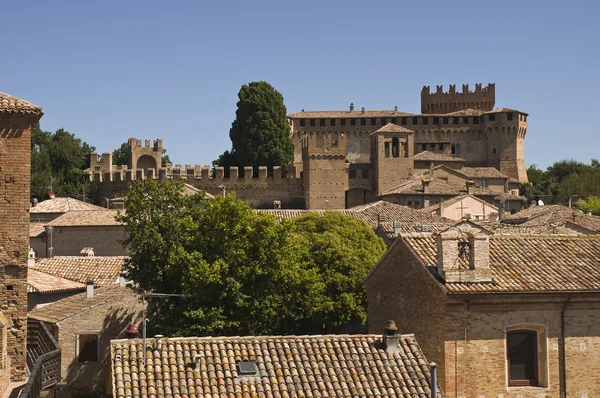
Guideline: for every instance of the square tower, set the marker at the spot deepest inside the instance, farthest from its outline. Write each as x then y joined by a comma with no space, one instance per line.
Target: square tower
392,156
17,117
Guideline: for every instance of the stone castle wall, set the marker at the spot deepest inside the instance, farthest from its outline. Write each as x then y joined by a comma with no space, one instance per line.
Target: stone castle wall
483,98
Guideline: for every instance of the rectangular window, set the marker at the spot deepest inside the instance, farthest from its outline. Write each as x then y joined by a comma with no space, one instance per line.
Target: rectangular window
404,121
446,120
334,140
522,358
342,122
476,119
352,174
363,122
353,122
322,122
483,183
373,121
394,120
509,116
319,139
415,120
425,120
492,117
465,120
365,174
387,149
432,146
312,122
423,147
524,118
436,120
454,120
441,147
332,122
302,122
87,347
383,121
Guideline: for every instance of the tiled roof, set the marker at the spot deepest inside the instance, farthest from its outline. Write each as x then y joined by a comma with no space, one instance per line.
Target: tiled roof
347,114
103,270
440,157
526,263
36,229
560,216
392,128
10,104
79,303
451,201
372,214
41,282
503,110
86,218
480,172
288,366
192,190
63,205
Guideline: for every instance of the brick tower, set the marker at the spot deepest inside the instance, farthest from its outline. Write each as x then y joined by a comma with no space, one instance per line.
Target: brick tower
17,117
392,155
144,157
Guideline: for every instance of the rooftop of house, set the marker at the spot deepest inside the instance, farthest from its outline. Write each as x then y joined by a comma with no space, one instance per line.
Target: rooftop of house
62,205
390,113
480,172
89,218
10,104
36,229
286,366
524,263
392,128
372,213
452,201
437,157
103,270
80,303
41,282
553,215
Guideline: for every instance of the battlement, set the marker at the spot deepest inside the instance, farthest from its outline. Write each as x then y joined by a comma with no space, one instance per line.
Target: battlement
483,98
101,162
135,143
197,174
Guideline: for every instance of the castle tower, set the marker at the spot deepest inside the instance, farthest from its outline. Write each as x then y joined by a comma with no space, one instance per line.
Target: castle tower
483,98
505,131
144,157
392,155
17,117
324,170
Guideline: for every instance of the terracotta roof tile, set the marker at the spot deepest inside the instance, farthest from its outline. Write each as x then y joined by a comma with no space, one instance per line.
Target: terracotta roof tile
63,205
504,110
549,216
79,303
390,113
392,128
440,157
287,366
10,104
481,172
41,282
86,218
527,263
36,229
102,270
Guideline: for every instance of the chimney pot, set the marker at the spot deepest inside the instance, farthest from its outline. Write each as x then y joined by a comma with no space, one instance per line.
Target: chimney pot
363,110
51,195
89,288
158,338
34,202
122,279
132,332
351,106
470,187
396,109
391,340
396,228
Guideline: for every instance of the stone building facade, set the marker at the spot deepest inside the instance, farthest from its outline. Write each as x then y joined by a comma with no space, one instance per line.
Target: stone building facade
348,158
509,316
17,117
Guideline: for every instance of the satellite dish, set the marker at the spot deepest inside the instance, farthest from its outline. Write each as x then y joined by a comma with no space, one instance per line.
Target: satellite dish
540,203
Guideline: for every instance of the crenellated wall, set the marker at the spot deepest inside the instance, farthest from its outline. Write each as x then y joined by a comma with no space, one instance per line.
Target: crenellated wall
483,98
260,192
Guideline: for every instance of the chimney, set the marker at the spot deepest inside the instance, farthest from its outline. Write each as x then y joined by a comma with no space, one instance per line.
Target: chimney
432,169
89,288
425,184
470,187
31,258
51,195
396,228
391,341
34,202
132,332
49,230
122,279
589,213
351,106
277,204
442,207
433,381
396,109
363,110
159,341
87,252
197,360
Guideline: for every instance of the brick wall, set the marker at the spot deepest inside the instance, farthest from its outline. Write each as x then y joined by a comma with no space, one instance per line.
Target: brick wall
15,166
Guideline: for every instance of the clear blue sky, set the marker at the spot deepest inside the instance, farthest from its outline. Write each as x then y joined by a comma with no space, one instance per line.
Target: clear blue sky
109,70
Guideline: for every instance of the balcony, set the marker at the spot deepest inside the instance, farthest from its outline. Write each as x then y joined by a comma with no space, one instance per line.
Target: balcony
43,360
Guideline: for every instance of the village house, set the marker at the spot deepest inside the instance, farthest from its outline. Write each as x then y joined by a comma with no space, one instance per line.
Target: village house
383,365
502,315
463,207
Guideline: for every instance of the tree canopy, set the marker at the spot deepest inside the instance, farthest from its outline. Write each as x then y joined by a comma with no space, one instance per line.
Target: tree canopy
245,271
120,156
260,134
58,163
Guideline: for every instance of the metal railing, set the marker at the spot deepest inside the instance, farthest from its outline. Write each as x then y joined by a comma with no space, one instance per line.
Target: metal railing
43,360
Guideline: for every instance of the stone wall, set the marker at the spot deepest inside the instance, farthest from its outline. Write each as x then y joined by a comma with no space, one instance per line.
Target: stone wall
482,98
68,241
15,166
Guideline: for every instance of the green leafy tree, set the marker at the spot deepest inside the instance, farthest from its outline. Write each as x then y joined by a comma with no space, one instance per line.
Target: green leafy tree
244,272
592,204
120,156
260,134
58,163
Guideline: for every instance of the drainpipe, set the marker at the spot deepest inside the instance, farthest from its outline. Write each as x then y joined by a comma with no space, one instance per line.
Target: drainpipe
563,351
433,367
49,230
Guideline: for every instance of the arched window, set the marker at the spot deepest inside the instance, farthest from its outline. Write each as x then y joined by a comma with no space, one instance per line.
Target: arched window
395,147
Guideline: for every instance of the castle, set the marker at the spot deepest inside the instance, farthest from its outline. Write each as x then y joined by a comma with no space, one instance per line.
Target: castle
348,158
